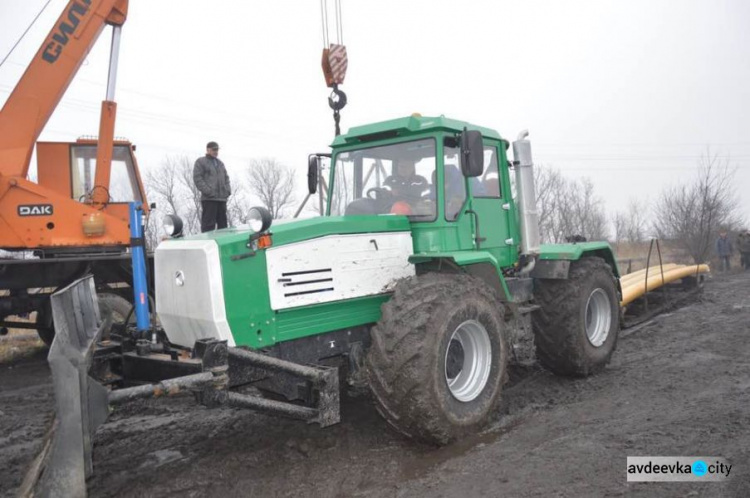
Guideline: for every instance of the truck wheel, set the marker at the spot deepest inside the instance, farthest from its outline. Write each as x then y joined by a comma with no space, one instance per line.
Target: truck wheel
576,329
437,361
44,328
119,306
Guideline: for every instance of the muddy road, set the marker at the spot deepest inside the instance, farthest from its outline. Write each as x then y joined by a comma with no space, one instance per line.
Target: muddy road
679,386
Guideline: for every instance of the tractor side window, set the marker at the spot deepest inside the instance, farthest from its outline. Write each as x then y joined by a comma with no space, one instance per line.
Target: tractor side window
455,187
342,191
488,185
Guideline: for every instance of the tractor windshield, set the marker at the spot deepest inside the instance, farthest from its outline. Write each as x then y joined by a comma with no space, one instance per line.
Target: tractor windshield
391,179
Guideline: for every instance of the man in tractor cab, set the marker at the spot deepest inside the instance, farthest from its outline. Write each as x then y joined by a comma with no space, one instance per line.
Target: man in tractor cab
405,184
455,191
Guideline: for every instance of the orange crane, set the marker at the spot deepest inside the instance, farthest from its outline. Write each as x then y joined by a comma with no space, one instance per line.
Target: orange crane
75,217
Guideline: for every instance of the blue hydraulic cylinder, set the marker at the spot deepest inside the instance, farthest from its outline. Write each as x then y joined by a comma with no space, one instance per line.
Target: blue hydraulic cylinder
138,256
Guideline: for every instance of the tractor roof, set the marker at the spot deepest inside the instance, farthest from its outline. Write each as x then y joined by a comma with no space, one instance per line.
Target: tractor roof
403,127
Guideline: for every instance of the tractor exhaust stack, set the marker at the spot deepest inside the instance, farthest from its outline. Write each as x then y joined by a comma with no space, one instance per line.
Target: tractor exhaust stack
526,193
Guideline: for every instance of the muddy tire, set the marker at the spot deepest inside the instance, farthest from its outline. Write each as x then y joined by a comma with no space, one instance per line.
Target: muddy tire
118,305
438,357
44,327
576,329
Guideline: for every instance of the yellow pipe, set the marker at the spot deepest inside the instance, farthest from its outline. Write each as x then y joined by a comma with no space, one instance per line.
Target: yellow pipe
652,270
634,289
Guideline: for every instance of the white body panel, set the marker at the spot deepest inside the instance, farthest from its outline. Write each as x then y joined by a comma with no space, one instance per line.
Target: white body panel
337,267
189,292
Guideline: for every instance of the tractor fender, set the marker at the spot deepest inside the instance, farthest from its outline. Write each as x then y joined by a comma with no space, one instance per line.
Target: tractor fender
478,263
554,259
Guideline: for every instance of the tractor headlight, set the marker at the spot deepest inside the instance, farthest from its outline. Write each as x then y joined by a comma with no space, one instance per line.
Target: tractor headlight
259,219
173,225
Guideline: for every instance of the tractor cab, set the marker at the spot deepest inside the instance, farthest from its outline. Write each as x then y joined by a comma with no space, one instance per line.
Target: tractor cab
413,167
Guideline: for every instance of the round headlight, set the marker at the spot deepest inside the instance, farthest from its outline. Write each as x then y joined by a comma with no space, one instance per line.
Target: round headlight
259,219
173,225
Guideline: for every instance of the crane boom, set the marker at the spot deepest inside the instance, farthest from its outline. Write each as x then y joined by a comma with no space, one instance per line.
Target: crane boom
48,76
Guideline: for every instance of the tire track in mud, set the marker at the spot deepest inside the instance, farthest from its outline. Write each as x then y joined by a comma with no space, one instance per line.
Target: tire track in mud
26,404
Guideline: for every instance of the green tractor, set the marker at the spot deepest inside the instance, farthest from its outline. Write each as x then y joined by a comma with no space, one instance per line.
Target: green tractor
412,276
422,280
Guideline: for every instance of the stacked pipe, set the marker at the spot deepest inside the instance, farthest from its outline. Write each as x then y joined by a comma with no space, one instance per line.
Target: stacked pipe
636,284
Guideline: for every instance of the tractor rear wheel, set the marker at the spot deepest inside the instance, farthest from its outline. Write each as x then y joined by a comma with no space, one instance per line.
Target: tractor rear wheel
437,361
576,327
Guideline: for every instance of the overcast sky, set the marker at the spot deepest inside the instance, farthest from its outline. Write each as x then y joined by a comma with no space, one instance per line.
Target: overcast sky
629,93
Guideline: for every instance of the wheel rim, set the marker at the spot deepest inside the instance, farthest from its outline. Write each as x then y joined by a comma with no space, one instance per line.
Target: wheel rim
468,360
598,317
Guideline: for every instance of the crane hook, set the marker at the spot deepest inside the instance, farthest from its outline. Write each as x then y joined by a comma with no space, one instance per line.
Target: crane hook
337,99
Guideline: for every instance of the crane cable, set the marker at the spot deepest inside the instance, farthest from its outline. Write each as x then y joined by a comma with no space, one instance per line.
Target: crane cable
334,61
339,24
324,19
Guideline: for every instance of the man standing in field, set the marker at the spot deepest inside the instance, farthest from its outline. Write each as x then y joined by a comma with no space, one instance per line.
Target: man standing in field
723,250
743,245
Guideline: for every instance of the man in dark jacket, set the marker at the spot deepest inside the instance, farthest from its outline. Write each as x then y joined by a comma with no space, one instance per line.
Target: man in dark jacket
211,179
724,250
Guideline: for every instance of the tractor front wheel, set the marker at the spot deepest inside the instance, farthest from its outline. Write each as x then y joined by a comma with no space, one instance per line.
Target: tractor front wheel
437,361
576,327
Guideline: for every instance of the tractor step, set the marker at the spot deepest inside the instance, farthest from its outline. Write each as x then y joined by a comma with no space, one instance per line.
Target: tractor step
525,310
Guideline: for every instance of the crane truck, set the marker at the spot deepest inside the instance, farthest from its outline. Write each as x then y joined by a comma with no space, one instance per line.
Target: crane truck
74,219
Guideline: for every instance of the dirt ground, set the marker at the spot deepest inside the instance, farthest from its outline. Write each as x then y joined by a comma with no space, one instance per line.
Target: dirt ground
679,386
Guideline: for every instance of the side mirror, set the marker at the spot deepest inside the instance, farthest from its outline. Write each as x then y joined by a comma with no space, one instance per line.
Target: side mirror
312,173
472,153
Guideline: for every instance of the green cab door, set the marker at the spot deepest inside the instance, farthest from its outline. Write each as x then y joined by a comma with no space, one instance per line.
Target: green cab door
488,210
492,203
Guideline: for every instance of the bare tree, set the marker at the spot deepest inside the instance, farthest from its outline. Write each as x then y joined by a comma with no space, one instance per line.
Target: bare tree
171,186
587,211
163,185
273,184
568,207
192,210
637,224
692,213
547,182
238,205
631,226
620,224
